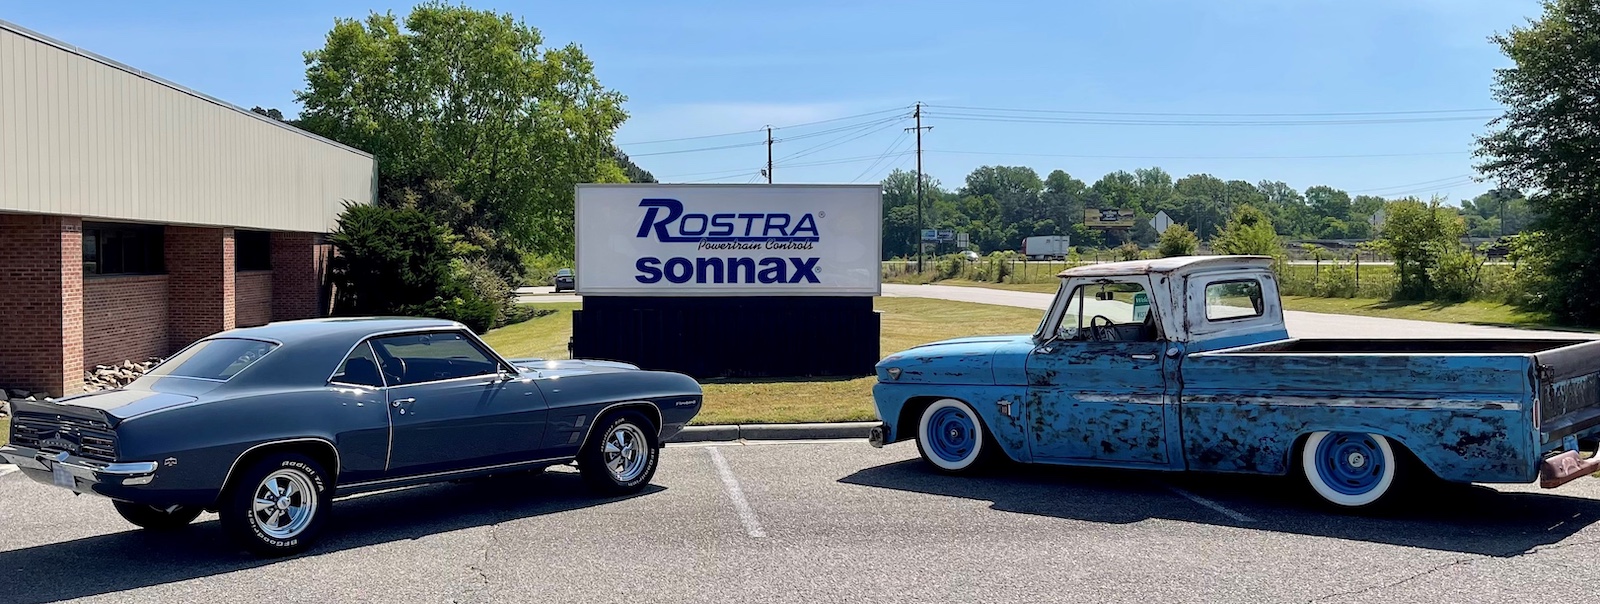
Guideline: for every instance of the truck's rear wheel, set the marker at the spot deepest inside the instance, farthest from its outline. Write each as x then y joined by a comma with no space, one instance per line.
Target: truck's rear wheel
951,438
1350,469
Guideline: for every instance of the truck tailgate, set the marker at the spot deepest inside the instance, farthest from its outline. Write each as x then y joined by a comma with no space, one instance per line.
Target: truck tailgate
1569,390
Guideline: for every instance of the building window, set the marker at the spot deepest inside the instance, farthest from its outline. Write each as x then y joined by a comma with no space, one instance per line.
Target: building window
122,249
252,251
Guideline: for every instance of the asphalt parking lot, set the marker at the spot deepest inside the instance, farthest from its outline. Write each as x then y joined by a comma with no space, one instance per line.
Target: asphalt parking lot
826,522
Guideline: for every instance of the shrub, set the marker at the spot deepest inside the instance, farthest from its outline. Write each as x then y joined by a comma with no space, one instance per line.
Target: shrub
398,261
1128,251
1178,240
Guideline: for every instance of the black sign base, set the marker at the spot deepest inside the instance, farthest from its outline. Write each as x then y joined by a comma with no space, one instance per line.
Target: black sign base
744,337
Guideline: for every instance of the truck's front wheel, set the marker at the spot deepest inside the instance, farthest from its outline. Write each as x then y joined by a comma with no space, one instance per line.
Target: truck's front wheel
950,437
1350,469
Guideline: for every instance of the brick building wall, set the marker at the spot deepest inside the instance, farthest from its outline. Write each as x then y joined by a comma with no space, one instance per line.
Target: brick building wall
41,302
200,285
252,291
299,269
124,318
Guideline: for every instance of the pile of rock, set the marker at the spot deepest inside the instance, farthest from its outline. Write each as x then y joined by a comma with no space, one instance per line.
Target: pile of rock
107,377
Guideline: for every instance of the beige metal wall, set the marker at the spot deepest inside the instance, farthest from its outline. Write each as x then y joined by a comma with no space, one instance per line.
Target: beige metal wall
82,136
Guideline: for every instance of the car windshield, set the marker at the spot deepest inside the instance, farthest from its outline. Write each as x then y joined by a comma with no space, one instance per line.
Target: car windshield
216,359
564,273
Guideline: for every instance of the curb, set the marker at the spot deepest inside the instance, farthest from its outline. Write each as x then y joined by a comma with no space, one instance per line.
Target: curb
733,432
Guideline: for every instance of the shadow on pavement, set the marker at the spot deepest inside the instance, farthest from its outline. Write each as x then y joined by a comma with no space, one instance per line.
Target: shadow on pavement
133,559
1446,517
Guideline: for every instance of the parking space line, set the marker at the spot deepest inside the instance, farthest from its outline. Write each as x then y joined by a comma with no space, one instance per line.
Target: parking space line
730,484
1219,508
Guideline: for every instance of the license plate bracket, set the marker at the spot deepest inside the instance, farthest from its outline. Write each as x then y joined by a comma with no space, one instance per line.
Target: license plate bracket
61,477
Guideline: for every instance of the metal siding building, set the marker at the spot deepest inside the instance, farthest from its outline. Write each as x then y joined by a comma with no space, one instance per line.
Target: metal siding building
127,200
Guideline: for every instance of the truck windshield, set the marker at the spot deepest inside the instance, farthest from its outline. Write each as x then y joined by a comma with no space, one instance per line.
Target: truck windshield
1108,312
216,359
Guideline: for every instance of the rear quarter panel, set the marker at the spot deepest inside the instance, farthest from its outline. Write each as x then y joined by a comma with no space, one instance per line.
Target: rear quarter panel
576,399
1469,418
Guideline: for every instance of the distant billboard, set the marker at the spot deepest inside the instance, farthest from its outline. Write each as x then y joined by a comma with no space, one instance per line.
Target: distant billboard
1109,218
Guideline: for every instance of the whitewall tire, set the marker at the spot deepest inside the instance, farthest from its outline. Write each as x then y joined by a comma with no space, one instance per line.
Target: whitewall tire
950,436
1349,469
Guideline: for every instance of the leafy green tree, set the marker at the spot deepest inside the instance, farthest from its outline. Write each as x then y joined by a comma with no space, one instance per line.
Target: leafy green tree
1547,142
1328,202
398,261
1419,236
1063,199
1177,240
1249,233
1200,200
1015,189
473,101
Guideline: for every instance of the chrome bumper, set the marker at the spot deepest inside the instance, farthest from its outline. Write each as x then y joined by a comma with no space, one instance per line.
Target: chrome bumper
60,468
876,436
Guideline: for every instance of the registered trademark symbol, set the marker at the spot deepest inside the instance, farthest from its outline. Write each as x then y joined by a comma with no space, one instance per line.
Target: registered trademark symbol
822,214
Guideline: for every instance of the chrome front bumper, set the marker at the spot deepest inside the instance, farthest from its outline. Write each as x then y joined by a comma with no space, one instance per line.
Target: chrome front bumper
61,468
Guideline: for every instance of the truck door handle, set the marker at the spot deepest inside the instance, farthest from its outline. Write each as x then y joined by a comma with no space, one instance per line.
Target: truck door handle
1143,357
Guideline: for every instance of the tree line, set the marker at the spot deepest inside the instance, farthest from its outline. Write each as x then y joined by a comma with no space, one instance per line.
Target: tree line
999,206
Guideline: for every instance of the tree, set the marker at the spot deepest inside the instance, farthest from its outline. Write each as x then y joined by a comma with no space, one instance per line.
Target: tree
272,113
1063,199
1178,240
1418,236
1547,142
1015,188
1328,202
397,261
1200,200
472,100
1250,233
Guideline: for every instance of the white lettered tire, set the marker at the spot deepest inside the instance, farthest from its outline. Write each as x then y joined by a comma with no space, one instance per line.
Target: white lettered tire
950,437
1349,469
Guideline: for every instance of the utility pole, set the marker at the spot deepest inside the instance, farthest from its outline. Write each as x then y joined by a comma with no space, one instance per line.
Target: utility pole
769,155
917,113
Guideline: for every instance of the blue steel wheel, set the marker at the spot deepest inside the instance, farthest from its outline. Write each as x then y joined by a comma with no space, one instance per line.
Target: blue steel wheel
1350,469
950,436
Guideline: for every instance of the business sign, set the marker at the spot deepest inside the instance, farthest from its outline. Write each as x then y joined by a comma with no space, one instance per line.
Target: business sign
1108,218
930,235
728,240
947,235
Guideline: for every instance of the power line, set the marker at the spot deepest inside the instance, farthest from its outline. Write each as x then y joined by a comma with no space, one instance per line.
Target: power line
978,117
852,136
1424,183
1092,156
1165,114
753,144
812,123
893,146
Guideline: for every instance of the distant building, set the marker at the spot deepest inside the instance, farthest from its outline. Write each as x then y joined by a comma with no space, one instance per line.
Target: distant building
137,216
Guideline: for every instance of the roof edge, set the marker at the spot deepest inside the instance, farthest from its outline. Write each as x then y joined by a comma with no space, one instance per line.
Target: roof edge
77,50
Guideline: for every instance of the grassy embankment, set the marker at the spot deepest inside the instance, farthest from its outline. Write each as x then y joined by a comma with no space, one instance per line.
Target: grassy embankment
906,323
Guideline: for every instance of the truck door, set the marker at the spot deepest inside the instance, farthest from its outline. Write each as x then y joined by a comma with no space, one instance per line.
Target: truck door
1097,391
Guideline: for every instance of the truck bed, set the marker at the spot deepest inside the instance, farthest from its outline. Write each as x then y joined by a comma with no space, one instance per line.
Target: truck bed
1484,410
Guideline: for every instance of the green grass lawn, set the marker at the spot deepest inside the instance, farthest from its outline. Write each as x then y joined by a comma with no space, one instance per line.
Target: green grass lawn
1043,288
5,430
1474,312
907,322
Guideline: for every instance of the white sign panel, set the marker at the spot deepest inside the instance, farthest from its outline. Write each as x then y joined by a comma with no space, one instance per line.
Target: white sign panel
728,240
1161,222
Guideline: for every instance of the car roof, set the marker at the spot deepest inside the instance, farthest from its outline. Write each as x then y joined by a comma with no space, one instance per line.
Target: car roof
1165,265
341,328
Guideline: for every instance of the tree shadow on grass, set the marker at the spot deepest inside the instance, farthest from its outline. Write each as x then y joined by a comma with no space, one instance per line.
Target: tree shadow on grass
1441,516
133,559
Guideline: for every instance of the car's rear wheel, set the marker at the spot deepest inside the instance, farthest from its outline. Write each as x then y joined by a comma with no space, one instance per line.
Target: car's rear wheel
951,438
622,454
1350,469
156,518
278,505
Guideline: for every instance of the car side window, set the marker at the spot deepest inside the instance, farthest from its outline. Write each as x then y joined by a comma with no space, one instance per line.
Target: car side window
431,357
1109,312
360,368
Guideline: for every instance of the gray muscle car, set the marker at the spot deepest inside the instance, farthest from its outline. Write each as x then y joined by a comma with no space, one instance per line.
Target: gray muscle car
265,426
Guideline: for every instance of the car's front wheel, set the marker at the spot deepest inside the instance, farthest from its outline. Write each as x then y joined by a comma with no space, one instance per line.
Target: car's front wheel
950,437
156,518
621,455
278,505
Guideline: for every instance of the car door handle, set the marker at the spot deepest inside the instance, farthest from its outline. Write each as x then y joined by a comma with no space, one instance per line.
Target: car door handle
1143,357
403,404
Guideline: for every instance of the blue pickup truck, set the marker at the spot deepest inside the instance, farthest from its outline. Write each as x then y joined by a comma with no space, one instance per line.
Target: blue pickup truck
1185,364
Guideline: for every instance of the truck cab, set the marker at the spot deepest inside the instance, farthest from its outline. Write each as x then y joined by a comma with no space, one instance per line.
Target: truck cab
1185,364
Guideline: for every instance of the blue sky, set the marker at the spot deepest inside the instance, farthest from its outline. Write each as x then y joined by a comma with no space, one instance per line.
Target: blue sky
717,66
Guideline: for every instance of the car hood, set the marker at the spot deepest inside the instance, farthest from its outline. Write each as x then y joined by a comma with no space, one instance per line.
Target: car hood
955,361
559,367
124,403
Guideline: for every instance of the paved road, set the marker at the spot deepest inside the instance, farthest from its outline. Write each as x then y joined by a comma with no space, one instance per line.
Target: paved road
832,522
1301,324
545,295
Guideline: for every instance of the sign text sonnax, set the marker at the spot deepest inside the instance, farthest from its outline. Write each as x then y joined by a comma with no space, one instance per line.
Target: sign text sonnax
667,222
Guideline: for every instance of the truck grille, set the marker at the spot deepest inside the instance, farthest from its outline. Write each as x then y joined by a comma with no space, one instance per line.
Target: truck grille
94,439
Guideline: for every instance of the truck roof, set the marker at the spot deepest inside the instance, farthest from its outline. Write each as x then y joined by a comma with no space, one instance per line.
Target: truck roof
1178,264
